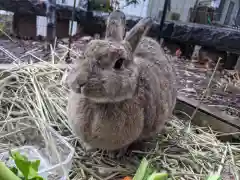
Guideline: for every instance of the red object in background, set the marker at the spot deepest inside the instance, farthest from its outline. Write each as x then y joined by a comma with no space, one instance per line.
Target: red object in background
178,52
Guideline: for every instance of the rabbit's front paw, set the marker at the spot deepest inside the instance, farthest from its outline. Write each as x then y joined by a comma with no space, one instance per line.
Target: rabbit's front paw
118,154
86,146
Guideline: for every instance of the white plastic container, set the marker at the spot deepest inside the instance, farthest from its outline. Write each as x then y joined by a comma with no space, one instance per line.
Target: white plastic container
29,141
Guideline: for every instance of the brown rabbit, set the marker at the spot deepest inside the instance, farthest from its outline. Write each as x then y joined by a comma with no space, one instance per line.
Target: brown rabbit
123,90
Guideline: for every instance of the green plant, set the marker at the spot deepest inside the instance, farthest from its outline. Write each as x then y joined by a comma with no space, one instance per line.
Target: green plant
2,27
6,173
145,172
175,16
104,5
24,170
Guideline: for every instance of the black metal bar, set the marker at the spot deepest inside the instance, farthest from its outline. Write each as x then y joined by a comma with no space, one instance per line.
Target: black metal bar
193,19
89,6
68,59
51,21
166,6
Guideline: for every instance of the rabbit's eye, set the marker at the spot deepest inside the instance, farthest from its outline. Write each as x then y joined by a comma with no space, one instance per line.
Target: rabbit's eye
118,64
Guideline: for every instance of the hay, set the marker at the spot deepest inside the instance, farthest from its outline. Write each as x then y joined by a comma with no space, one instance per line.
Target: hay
185,151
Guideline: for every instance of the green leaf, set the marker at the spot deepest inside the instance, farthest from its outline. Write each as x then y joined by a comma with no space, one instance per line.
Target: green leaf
141,170
23,166
214,177
158,176
148,172
17,155
29,169
14,170
32,173
37,178
6,173
35,165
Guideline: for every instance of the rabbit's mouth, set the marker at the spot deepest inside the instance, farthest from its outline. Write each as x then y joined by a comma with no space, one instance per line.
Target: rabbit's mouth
94,92
97,94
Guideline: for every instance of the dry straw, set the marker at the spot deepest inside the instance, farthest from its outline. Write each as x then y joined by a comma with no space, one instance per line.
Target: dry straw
186,151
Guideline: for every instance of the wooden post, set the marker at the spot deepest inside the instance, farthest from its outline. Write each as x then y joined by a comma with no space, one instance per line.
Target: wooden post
68,59
237,66
15,24
194,14
231,61
51,20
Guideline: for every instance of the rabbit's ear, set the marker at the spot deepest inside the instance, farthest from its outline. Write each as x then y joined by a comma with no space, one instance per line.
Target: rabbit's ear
115,28
138,31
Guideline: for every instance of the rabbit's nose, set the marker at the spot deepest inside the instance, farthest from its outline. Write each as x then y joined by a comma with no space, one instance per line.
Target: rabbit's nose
80,87
81,84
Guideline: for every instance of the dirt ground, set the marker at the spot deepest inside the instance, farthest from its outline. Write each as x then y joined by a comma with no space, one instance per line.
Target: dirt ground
17,50
223,93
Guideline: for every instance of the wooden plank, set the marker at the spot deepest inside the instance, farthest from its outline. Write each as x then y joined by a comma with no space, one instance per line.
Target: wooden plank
209,116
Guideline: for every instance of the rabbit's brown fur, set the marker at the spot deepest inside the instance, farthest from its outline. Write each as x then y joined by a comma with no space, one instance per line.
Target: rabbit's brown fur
123,90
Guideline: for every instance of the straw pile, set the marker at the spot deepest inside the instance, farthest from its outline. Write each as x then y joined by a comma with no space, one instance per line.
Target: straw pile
185,151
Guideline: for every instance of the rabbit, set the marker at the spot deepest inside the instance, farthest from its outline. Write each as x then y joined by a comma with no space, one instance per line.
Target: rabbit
123,90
